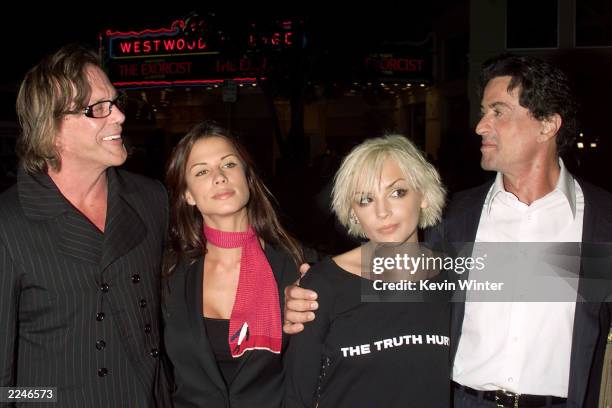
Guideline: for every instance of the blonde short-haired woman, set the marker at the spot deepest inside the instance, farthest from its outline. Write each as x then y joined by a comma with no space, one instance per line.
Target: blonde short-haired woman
379,354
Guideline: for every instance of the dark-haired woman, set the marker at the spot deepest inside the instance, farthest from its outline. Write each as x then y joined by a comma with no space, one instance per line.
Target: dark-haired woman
228,256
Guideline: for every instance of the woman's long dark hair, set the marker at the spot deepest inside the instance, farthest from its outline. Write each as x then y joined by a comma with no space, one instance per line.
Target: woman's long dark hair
186,240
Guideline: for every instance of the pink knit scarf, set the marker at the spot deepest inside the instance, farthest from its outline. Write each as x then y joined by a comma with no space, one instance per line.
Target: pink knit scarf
255,322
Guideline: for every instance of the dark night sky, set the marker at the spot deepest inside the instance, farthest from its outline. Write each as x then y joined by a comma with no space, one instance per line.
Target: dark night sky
27,36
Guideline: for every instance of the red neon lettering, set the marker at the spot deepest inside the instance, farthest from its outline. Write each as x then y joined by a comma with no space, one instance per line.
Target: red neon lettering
165,68
275,38
399,64
186,67
289,38
169,45
125,47
127,70
225,66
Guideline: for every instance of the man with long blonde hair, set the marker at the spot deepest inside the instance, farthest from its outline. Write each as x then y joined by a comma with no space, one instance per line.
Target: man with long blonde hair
80,246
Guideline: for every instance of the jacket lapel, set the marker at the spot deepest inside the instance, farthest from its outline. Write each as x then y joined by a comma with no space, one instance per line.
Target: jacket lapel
193,294
460,231
124,228
79,238
42,201
194,289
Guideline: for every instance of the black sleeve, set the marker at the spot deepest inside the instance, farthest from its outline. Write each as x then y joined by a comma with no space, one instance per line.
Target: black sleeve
9,298
165,212
305,353
313,256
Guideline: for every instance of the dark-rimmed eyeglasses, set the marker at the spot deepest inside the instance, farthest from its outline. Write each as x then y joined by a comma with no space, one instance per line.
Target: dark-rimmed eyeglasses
102,109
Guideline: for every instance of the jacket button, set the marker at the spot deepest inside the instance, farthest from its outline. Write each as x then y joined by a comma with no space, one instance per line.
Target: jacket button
99,316
100,344
102,372
135,278
143,303
147,328
104,287
154,353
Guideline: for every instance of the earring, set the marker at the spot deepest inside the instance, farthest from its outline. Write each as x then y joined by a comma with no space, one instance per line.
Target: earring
353,218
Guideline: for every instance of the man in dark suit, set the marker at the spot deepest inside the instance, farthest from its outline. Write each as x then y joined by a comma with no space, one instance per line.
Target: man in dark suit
80,245
521,354
538,353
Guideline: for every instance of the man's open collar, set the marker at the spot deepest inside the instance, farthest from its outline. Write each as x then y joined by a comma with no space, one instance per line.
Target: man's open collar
565,184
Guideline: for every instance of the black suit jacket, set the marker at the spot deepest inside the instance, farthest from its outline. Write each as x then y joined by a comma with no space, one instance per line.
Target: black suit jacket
79,309
259,380
592,320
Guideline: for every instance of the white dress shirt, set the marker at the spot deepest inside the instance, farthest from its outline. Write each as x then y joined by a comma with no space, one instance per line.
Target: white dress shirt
522,347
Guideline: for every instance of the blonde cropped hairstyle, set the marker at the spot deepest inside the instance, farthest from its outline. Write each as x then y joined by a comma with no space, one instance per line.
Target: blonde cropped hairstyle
361,168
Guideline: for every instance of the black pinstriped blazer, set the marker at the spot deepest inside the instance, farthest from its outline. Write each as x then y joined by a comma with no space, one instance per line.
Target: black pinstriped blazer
79,309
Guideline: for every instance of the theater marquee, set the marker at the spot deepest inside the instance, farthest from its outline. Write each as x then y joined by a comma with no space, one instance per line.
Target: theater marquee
186,53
